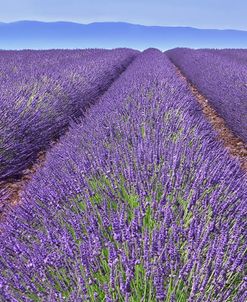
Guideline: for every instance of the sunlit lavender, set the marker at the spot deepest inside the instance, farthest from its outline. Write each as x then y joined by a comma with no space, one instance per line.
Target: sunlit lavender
42,91
221,76
138,201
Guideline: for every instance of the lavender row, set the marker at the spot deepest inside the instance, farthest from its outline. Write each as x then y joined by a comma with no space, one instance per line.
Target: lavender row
239,55
221,79
139,202
42,91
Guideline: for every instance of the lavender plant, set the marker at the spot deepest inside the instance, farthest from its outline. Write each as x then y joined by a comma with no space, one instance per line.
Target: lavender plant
139,202
42,91
221,76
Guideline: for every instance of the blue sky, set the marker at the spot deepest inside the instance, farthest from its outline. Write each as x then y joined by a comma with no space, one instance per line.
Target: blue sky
222,14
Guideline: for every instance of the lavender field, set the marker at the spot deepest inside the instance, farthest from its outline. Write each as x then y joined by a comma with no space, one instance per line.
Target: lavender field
42,91
137,198
220,75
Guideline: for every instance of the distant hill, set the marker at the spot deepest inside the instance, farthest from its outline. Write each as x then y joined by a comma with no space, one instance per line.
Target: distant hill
43,35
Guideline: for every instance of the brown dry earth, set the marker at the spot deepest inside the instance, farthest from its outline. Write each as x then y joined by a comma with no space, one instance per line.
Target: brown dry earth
236,147
11,189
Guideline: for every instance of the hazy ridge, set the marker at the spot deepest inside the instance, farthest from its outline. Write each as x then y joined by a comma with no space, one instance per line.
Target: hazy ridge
42,35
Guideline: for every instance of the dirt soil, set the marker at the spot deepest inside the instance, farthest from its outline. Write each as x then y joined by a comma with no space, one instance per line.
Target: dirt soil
11,189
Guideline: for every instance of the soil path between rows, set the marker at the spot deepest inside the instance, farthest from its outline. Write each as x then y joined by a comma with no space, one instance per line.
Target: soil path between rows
235,145
10,190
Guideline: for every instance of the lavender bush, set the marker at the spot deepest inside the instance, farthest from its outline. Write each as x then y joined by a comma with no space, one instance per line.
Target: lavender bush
139,202
221,78
42,91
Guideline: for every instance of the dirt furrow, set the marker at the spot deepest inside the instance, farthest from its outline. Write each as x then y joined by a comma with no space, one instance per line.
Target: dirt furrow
10,190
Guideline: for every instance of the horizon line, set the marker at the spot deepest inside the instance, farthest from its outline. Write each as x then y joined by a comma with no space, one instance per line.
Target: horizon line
124,22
